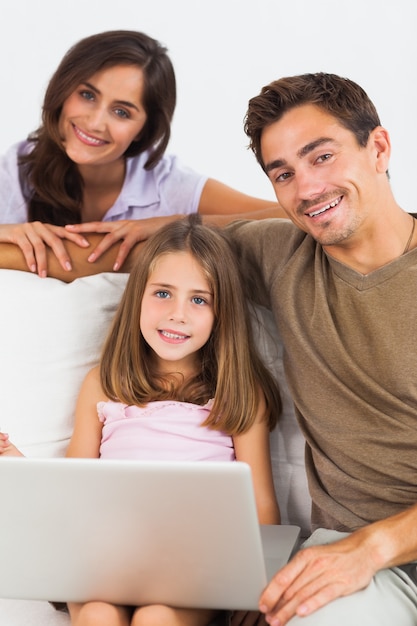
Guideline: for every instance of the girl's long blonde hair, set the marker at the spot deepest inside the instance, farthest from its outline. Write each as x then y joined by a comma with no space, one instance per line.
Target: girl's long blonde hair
232,372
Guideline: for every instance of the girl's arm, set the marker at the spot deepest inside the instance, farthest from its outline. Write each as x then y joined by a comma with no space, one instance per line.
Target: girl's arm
252,447
86,437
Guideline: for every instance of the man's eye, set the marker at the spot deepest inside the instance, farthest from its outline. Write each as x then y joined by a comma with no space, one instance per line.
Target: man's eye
284,176
324,157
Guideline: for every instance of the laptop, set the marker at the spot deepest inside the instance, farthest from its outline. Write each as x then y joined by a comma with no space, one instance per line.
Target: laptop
135,532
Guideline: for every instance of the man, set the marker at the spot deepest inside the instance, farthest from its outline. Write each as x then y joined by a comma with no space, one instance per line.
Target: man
340,278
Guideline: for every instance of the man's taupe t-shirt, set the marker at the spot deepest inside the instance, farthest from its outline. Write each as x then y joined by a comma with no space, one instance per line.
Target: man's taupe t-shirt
351,364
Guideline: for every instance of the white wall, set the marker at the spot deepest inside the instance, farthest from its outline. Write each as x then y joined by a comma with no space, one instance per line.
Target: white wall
224,51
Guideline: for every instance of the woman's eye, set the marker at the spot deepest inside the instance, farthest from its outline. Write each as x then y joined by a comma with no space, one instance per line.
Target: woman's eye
122,113
87,95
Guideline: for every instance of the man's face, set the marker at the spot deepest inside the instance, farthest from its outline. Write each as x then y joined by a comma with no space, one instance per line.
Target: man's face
327,184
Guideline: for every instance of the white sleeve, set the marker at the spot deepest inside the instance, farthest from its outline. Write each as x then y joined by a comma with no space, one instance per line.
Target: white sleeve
180,187
13,209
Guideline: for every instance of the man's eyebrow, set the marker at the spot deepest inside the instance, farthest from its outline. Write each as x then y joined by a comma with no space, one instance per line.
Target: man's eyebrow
273,165
126,103
313,145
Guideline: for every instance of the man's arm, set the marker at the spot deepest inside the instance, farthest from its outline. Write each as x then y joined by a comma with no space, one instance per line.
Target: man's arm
11,257
103,256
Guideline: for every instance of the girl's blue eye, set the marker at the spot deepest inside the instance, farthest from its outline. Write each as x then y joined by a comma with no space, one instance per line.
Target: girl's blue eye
162,294
198,300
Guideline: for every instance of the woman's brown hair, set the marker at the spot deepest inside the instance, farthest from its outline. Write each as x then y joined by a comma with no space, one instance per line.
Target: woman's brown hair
50,180
232,372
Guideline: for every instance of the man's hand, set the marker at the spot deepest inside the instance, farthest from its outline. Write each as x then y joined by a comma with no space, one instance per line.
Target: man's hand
316,576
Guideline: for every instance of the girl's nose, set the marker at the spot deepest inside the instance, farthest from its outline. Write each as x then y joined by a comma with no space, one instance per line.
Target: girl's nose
178,311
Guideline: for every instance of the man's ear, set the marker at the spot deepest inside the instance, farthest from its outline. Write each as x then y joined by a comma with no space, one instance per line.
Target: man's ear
379,141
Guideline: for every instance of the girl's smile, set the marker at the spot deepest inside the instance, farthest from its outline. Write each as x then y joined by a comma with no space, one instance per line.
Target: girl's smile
172,337
177,316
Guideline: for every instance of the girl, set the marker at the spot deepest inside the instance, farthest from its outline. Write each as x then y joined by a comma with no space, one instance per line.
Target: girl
179,379
97,163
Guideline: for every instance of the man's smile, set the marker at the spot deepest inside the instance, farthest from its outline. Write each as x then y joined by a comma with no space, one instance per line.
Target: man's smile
322,209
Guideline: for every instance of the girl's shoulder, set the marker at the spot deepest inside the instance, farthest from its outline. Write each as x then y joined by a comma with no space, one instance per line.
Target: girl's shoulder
92,383
93,373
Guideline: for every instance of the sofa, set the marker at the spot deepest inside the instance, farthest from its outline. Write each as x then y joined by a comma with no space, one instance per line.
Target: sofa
50,336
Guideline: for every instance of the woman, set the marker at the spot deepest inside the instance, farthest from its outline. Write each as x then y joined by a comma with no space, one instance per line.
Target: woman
97,163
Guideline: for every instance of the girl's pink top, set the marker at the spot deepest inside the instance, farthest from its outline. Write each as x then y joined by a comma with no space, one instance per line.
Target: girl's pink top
167,430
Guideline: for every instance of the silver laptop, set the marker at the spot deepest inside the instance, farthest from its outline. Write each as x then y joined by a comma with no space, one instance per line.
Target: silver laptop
135,532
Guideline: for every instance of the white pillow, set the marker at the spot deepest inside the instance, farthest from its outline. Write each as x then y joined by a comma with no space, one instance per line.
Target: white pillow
286,440
51,334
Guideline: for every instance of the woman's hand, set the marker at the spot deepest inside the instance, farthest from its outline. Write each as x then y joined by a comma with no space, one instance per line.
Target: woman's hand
34,237
129,232
6,447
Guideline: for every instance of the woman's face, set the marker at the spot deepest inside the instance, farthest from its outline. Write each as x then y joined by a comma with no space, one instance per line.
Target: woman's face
103,115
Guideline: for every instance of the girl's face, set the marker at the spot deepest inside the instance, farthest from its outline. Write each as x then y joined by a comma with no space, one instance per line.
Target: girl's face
177,312
102,117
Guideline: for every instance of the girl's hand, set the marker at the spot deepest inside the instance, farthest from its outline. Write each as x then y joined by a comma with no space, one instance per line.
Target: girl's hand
129,232
6,447
34,237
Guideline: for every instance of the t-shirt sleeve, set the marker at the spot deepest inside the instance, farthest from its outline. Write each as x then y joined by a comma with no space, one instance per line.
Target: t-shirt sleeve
180,187
263,249
13,208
